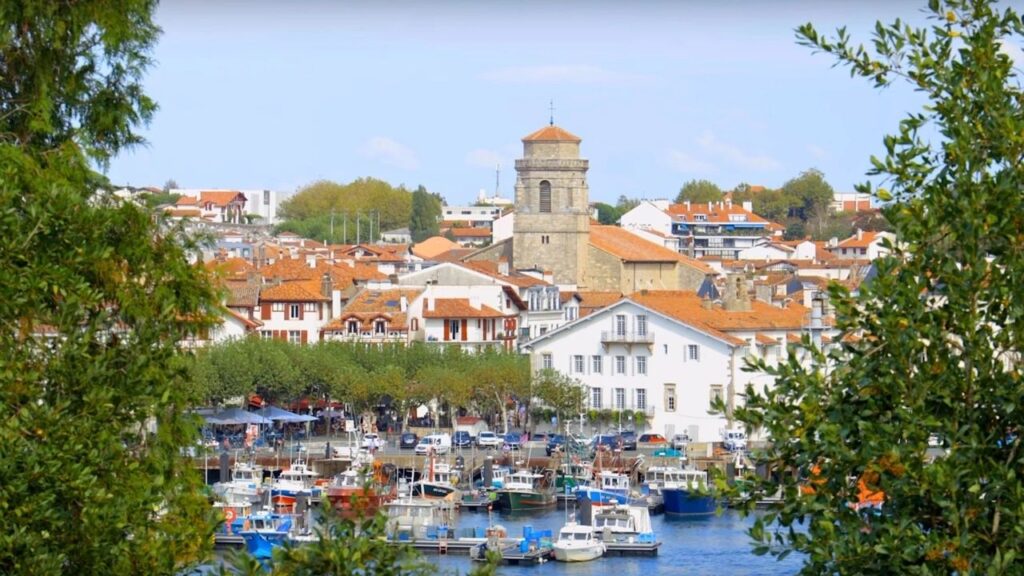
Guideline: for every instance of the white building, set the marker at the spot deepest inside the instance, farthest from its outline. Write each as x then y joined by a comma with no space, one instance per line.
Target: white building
851,202
720,229
471,215
669,355
261,203
861,246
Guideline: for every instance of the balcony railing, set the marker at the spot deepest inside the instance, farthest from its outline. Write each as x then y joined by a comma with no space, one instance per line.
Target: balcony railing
614,336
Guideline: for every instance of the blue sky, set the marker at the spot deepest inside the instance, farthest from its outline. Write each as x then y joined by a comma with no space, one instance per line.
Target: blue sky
277,95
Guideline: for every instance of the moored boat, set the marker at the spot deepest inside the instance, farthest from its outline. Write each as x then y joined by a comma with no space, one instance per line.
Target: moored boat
246,483
690,497
263,532
413,518
622,523
297,480
525,490
358,492
576,543
609,488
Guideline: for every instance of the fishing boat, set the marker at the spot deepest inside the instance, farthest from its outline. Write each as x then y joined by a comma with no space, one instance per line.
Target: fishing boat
571,476
608,488
439,481
263,531
359,492
622,523
414,518
690,497
246,483
297,480
576,543
526,490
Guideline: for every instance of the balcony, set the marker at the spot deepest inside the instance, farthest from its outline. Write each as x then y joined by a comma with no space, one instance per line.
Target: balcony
616,337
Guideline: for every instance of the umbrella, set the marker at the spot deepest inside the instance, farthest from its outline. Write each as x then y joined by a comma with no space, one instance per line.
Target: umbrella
281,415
236,416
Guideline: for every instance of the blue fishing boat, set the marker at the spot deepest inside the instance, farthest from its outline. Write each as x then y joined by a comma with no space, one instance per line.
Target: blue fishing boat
689,497
263,531
609,488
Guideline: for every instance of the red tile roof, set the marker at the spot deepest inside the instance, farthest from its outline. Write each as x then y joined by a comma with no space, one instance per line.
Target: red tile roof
459,308
471,232
433,247
552,133
716,213
221,198
369,305
632,248
865,240
687,307
490,268
294,291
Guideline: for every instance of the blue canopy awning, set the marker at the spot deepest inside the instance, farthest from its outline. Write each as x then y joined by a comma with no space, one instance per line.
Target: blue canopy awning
281,415
236,416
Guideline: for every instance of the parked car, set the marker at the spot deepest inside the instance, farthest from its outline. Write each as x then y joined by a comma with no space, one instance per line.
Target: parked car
605,443
652,439
408,440
559,442
628,439
462,439
681,441
373,442
513,440
488,439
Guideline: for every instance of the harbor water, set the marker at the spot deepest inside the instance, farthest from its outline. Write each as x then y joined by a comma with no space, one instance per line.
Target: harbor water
715,546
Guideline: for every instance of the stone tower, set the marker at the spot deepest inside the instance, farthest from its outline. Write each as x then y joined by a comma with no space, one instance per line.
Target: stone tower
551,229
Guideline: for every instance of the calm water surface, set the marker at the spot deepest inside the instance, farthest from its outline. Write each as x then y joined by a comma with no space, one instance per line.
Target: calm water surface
717,546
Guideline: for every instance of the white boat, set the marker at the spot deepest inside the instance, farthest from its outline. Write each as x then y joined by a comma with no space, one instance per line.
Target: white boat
622,523
246,483
416,518
576,543
297,480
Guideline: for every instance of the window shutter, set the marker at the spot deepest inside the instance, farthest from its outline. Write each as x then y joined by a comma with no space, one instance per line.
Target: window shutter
304,336
302,310
465,329
265,311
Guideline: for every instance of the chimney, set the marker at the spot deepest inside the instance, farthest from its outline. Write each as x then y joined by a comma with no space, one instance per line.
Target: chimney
833,242
430,303
860,234
403,303
326,285
311,261
728,203
503,266
687,203
711,206
817,315
748,206
706,303
335,304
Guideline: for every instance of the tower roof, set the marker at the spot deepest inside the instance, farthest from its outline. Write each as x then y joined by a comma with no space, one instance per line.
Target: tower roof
552,133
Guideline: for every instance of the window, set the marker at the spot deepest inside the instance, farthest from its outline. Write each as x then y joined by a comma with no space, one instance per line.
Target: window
415,324
577,364
353,327
543,329
620,398
309,306
545,239
670,397
294,310
641,325
294,336
693,352
620,324
665,348
545,196
266,197
277,307
620,364
379,327
546,361
571,313
266,334
641,399
641,365
595,398
524,332
716,393
595,364
453,329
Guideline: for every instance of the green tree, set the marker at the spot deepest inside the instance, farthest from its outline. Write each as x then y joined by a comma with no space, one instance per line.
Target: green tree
607,214
425,216
93,300
563,394
330,211
625,204
699,191
931,347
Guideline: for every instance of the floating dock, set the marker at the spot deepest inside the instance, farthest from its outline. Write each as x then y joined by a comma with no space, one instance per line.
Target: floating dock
511,551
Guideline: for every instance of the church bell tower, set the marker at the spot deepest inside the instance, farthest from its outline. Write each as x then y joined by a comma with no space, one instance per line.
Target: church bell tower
551,230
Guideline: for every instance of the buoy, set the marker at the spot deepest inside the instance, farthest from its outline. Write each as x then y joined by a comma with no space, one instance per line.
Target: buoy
229,515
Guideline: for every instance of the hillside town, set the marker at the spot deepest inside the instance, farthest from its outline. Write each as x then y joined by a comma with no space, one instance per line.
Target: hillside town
657,314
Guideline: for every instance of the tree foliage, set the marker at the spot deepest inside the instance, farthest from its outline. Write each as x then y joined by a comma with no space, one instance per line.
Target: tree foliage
93,300
425,216
338,212
933,346
699,191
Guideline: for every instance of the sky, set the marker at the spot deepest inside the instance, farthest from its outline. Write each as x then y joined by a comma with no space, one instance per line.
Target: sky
277,95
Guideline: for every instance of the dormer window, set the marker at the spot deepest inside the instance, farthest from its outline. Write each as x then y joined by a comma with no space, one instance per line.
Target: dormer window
379,327
353,326
700,217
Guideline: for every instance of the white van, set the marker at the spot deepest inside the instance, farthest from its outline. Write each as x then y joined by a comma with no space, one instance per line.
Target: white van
441,443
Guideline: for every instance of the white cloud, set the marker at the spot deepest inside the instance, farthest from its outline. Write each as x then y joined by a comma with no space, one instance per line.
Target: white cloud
483,158
734,155
683,162
389,152
567,74
816,152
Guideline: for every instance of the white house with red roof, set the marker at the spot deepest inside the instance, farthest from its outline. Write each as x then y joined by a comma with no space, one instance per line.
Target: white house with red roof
260,203
720,229
862,245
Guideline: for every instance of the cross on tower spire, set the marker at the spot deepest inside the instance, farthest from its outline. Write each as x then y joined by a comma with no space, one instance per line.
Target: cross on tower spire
551,109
